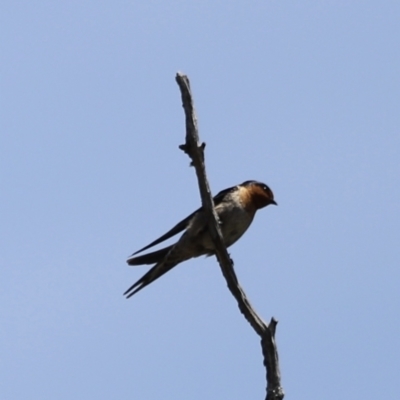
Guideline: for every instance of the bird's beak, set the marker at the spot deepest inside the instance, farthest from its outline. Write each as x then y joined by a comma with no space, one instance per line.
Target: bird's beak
274,203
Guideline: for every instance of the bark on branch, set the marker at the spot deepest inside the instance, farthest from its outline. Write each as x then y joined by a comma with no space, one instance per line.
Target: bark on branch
195,151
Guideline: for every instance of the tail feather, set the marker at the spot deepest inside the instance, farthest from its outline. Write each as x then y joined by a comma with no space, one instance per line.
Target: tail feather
156,272
151,258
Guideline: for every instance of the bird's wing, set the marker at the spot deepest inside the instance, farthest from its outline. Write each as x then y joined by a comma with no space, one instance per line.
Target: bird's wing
180,226
218,198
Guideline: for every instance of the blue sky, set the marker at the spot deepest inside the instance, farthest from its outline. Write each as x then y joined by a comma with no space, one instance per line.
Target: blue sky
301,95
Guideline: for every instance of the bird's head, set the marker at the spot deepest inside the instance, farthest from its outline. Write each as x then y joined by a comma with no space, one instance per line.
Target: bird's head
258,194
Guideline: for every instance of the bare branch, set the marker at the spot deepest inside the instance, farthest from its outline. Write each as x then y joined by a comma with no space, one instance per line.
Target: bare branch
195,151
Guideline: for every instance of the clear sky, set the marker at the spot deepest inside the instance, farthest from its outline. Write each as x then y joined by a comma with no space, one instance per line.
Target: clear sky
303,95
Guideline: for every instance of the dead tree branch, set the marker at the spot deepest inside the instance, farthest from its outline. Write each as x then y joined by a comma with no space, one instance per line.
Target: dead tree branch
195,151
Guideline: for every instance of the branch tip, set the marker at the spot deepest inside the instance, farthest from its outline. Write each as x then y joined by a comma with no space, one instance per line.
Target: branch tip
272,326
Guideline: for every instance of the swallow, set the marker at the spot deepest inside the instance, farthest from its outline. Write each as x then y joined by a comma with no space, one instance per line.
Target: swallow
235,208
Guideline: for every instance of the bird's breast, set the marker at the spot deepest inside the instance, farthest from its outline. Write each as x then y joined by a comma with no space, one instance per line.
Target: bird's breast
234,223
234,220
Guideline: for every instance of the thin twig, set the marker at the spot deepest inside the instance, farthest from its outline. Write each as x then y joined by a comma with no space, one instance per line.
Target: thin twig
195,151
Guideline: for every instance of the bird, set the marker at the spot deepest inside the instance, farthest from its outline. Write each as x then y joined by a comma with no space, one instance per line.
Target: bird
235,207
